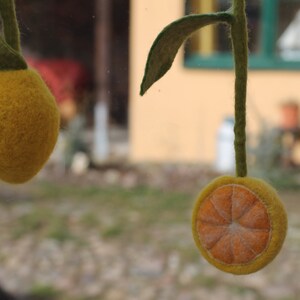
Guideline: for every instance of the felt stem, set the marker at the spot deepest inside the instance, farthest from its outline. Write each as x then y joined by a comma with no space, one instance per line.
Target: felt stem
10,24
10,49
239,36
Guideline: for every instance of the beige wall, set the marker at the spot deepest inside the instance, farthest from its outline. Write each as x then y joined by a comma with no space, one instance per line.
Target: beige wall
178,118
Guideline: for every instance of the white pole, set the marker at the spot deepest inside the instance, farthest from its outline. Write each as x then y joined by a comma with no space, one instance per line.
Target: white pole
101,141
103,36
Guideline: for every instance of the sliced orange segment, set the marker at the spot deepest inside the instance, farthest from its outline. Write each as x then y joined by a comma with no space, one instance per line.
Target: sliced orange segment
252,236
245,201
242,253
239,224
256,218
209,214
222,203
222,250
210,234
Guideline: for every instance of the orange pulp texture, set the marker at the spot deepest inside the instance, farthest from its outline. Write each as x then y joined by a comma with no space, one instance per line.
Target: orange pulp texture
234,226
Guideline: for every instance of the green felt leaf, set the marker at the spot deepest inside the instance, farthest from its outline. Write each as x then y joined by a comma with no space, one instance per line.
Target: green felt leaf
166,45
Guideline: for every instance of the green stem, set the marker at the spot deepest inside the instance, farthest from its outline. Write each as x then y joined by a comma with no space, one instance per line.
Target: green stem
10,49
239,35
10,24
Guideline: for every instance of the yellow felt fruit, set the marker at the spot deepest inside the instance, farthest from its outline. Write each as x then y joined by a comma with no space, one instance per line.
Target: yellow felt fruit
239,224
29,125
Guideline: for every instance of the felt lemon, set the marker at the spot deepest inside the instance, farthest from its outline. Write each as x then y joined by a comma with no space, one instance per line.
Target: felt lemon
29,124
239,224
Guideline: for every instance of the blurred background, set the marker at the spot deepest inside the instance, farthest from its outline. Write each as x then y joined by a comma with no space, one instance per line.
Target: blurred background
109,215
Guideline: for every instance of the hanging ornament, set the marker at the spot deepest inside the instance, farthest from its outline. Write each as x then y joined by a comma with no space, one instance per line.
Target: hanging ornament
29,117
239,223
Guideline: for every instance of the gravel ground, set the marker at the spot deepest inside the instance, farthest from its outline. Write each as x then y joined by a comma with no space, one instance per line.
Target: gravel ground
53,246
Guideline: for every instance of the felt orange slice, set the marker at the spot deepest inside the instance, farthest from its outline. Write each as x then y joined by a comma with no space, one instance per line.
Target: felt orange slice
239,224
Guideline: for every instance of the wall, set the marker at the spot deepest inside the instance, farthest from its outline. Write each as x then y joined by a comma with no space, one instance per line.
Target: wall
178,118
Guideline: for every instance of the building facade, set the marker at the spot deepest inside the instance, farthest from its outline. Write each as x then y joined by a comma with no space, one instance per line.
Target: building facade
179,117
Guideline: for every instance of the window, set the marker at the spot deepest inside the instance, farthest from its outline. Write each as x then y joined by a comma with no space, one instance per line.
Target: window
274,36
288,33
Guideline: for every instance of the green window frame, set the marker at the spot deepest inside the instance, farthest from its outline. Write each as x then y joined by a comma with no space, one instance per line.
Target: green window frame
264,60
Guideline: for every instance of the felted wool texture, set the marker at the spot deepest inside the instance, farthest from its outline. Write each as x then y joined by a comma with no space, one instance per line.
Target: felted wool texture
10,24
29,125
277,217
239,38
233,225
165,47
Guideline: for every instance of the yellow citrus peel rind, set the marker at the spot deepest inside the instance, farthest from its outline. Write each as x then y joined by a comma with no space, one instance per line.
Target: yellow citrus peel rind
29,125
276,215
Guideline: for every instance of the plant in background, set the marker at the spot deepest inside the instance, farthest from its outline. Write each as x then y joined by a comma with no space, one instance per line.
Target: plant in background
29,118
239,223
268,151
